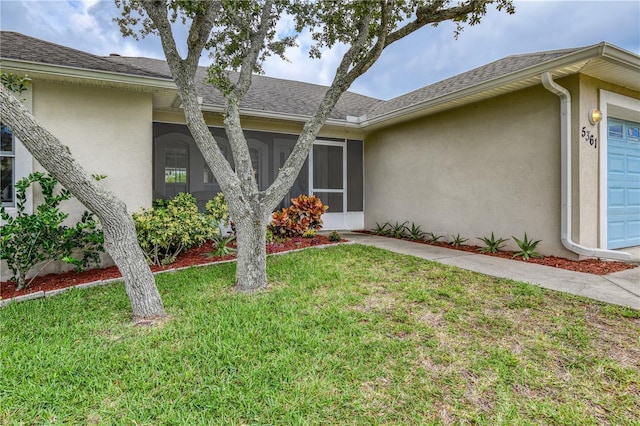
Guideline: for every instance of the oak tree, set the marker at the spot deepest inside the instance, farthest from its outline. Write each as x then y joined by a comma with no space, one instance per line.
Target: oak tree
239,35
120,239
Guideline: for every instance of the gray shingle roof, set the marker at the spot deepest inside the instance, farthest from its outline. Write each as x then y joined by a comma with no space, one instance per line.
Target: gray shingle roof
266,93
482,74
21,47
269,94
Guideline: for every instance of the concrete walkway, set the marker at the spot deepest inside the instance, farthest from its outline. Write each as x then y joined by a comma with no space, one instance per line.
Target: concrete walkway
620,288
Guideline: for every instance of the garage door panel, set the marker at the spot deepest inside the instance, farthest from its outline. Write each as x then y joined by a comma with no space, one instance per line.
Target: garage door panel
634,229
633,197
633,165
617,164
616,231
623,184
616,197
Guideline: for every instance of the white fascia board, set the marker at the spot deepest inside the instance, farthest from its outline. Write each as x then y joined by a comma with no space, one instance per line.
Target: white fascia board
621,56
86,74
280,116
579,57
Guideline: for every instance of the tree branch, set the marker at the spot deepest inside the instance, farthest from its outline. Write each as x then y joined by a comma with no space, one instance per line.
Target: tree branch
256,44
232,121
184,72
432,14
341,82
199,33
157,11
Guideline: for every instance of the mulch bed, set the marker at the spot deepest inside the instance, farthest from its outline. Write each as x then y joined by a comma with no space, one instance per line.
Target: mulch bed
589,266
195,256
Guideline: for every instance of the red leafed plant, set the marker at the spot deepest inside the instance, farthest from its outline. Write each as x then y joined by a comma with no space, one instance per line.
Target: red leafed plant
305,213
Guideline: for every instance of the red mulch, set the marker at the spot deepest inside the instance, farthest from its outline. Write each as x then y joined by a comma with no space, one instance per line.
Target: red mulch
195,256
589,266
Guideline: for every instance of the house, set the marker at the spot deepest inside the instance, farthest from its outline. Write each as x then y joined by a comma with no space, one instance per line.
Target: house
545,143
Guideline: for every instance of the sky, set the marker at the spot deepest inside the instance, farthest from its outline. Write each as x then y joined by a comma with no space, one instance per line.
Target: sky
425,57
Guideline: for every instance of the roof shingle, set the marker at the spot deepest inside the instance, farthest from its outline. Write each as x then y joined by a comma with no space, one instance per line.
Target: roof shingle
24,48
491,71
269,94
266,93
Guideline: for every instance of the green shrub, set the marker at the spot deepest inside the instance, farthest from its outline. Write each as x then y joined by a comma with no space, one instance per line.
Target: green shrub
170,227
457,240
334,237
221,245
527,247
382,230
415,232
269,237
305,213
398,230
434,238
218,209
491,244
27,240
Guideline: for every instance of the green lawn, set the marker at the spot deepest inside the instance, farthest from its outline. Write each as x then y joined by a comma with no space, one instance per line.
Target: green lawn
345,335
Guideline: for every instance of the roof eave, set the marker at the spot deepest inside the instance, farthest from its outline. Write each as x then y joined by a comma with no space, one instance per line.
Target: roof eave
621,56
560,67
278,116
62,71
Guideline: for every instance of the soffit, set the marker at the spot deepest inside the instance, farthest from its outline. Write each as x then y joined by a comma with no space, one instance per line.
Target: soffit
613,71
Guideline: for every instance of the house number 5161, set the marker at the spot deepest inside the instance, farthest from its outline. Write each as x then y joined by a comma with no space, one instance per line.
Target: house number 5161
586,134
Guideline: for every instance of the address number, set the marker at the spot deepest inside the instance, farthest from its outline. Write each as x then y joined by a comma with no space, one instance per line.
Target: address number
589,137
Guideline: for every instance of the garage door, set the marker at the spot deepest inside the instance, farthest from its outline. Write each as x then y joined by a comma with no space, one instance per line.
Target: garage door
623,184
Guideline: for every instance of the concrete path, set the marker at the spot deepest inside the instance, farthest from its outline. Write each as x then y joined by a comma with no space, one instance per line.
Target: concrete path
620,288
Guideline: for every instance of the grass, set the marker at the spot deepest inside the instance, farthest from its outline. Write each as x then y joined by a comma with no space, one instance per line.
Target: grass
345,335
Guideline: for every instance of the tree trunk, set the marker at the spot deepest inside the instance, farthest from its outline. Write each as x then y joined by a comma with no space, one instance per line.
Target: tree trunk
120,234
121,243
251,267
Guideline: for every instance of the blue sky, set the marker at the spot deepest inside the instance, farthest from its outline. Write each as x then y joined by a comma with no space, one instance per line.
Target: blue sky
430,55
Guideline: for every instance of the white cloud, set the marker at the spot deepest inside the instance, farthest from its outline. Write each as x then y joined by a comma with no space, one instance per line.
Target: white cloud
301,67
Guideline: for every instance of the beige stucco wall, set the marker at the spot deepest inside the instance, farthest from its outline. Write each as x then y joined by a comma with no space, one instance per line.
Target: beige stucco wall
490,166
586,164
108,131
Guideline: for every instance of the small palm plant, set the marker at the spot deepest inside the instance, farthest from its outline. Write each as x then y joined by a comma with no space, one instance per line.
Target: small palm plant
527,247
398,230
434,238
221,245
491,244
457,240
381,229
414,232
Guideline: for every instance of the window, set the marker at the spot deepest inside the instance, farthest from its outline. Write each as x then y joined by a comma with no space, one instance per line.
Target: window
209,178
176,168
259,154
328,174
7,167
615,131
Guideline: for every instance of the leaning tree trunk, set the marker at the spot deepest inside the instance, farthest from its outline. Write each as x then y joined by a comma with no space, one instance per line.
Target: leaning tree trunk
119,231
